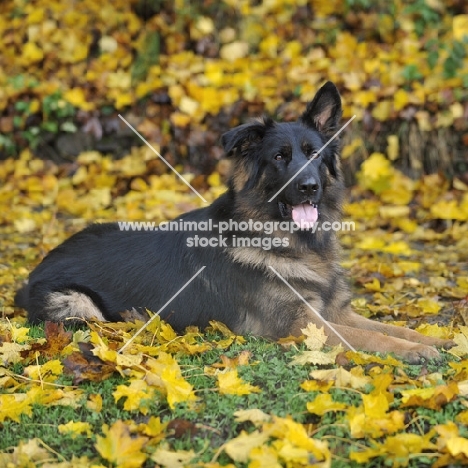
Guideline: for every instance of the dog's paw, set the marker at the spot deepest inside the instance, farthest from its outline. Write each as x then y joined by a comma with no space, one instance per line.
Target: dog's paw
438,342
416,353
447,344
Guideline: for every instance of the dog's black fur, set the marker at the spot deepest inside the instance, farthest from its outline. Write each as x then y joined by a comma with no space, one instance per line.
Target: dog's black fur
102,271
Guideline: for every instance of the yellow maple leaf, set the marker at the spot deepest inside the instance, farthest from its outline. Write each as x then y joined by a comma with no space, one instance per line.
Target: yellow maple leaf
398,248
230,383
446,431
60,397
462,417
400,99
264,456
343,378
371,243
10,352
12,406
33,450
447,210
382,110
429,397
214,179
48,372
316,386
218,326
460,27
429,306
294,456
75,428
315,337
433,330
365,426
362,358
375,406
373,285
77,98
119,447
255,416
393,147
177,388
324,403
352,147
458,445
294,445
398,447
123,99
394,211
376,173
234,50
402,445
461,339
24,225
101,349
138,396
240,447
31,53
154,428
94,403
170,459
319,358
179,119
19,334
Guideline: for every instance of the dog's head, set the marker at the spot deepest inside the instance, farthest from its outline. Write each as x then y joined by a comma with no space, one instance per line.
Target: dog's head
290,165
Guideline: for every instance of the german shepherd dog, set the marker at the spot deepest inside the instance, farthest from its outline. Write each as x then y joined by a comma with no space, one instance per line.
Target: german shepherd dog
103,271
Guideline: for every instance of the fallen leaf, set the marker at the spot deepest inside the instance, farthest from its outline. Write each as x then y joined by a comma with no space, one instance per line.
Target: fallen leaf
119,447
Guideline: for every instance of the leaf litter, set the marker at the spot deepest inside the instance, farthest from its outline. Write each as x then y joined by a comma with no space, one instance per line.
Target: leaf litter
355,408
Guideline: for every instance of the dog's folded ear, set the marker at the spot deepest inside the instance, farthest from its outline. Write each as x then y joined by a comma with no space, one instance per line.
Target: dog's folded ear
324,112
241,138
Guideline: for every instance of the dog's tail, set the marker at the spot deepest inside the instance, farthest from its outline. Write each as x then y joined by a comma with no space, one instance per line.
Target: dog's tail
22,296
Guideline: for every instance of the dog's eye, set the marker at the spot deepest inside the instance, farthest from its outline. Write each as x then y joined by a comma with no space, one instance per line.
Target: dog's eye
278,157
314,154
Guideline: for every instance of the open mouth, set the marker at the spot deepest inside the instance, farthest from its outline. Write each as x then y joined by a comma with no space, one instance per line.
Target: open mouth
301,214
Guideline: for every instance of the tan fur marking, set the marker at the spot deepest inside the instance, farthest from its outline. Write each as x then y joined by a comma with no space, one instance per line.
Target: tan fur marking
288,269
254,326
72,304
239,176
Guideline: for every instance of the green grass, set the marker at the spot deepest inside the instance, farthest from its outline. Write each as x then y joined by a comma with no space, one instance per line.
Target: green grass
213,414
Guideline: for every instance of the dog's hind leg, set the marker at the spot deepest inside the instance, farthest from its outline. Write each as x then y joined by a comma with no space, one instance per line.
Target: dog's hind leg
68,305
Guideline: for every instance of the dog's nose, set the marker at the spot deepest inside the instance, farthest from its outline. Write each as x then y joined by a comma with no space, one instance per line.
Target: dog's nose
308,186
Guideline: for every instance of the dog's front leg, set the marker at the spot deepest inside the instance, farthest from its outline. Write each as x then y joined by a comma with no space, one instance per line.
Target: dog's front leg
351,319
367,340
367,335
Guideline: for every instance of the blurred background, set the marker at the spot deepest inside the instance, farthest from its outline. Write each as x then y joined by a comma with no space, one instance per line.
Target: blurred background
184,72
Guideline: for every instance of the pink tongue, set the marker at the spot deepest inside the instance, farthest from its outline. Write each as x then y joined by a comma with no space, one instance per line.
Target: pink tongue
304,213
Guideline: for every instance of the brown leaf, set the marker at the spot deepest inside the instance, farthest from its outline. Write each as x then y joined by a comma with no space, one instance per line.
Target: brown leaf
56,339
84,366
180,427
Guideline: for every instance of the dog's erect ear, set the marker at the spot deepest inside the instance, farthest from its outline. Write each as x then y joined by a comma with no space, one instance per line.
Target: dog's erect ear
244,136
323,113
